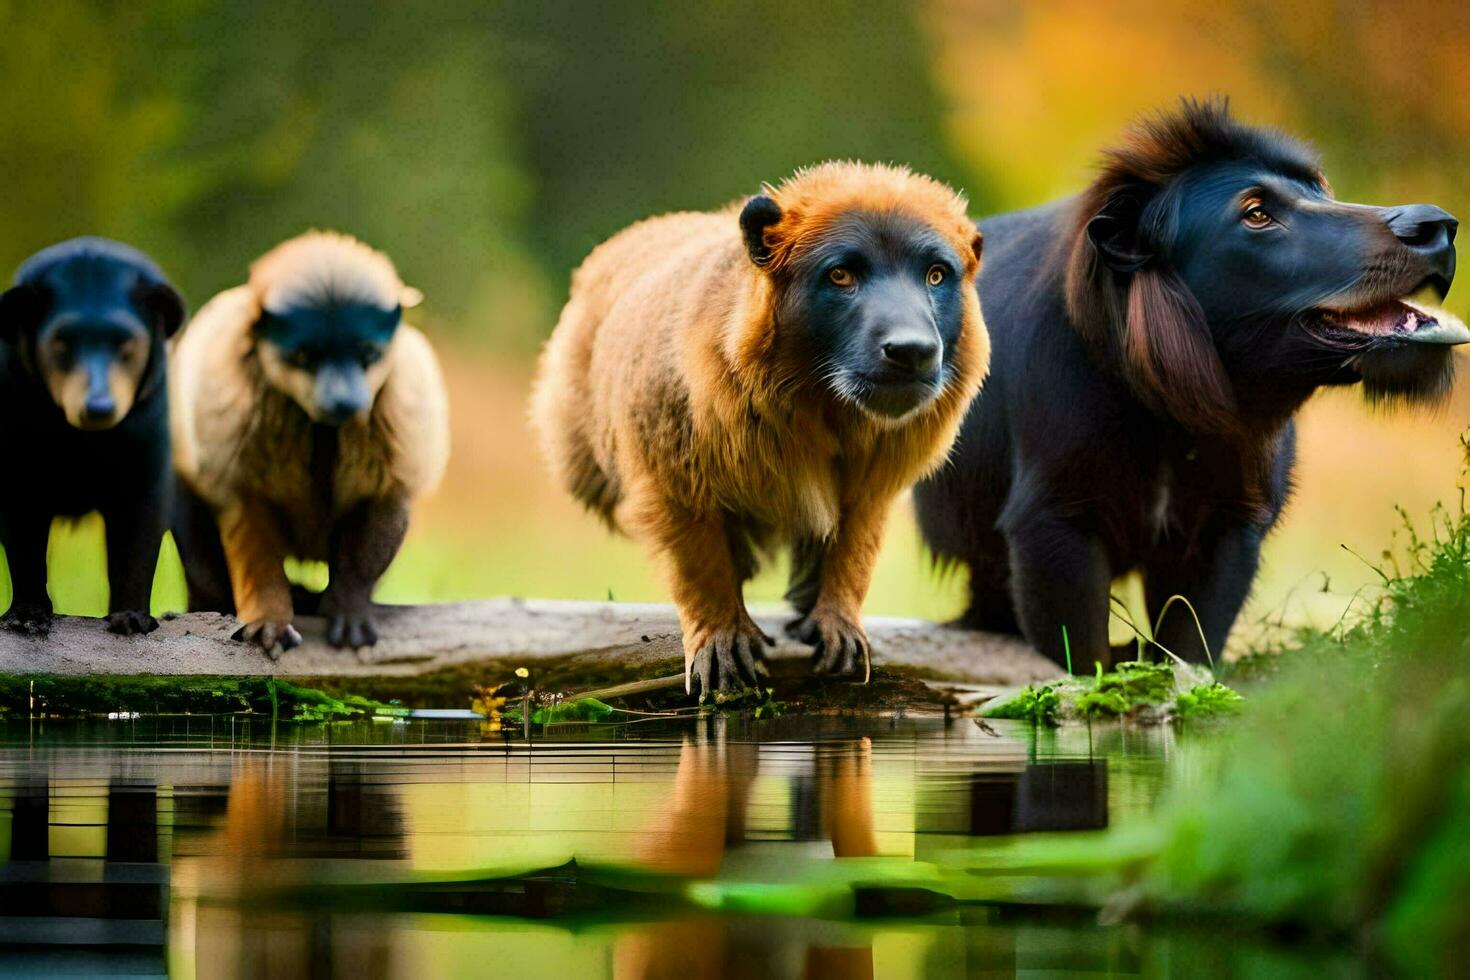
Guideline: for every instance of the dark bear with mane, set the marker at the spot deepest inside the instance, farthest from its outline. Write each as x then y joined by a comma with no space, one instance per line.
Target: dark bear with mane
1153,338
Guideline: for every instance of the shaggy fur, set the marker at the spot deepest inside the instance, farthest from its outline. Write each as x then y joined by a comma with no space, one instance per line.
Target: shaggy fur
84,419
268,473
694,395
1154,337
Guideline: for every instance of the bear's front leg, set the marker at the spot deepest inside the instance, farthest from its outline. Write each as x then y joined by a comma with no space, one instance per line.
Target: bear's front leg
25,535
834,625
364,543
134,535
255,551
723,647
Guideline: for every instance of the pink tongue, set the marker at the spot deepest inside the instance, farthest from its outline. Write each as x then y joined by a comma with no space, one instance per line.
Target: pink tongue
1386,319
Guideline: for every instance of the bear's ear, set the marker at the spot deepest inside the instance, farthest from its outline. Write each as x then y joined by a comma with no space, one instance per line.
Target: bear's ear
162,304
1169,356
21,309
759,213
1114,232
977,244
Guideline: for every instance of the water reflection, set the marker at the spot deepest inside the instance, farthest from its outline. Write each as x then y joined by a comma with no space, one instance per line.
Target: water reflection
83,889
220,848
1040,796
705,826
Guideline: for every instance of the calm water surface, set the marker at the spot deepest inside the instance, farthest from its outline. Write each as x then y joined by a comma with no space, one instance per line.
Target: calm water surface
228,846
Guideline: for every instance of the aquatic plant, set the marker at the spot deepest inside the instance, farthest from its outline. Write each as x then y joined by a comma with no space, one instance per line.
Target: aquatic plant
1132,689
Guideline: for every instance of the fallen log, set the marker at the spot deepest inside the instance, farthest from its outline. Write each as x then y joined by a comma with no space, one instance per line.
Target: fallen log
419,640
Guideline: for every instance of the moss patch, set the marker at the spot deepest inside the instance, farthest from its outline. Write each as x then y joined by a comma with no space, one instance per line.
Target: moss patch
556,683
57,696
1135,690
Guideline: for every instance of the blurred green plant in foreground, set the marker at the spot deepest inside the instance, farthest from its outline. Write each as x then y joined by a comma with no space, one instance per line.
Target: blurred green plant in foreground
1337,806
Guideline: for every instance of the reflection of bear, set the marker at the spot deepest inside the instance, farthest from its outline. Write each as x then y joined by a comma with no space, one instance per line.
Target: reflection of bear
704,817
724,382
306,419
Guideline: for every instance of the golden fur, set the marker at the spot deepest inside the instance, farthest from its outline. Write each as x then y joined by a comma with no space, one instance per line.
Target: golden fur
670,404
243,439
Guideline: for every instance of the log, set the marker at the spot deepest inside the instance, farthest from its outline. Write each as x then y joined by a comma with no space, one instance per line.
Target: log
419,640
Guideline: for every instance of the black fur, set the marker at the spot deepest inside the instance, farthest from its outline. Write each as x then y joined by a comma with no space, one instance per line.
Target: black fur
759,213
1164,444
62,471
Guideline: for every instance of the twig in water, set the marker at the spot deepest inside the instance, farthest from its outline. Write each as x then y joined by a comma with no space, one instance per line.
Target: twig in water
632,687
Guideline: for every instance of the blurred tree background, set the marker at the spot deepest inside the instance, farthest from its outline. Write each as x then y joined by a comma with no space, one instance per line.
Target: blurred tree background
488,146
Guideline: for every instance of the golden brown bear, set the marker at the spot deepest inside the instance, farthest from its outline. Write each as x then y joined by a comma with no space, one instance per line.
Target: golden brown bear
306,418
721,383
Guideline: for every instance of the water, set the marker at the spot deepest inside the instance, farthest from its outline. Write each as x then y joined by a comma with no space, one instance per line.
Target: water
793,847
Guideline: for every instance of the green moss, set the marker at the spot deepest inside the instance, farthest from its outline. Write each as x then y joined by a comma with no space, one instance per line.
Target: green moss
1124,692
582,709
1140,682
1040,704
1208,701
1096,703
1132,685
69,696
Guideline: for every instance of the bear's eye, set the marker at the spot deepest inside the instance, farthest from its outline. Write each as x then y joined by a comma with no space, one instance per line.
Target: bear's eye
935,275
1255,216
299,359
59,349
841,276
370,354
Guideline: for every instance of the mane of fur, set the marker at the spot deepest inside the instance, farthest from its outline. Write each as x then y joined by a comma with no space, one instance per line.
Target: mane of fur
1162,146
325,268
1154,151
1148,324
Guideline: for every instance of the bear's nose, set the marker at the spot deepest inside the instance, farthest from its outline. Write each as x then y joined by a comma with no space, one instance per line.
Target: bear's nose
918,356
99,408
1429,233
1422,226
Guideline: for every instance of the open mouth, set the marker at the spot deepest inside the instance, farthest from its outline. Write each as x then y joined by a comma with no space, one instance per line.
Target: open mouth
1413,318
